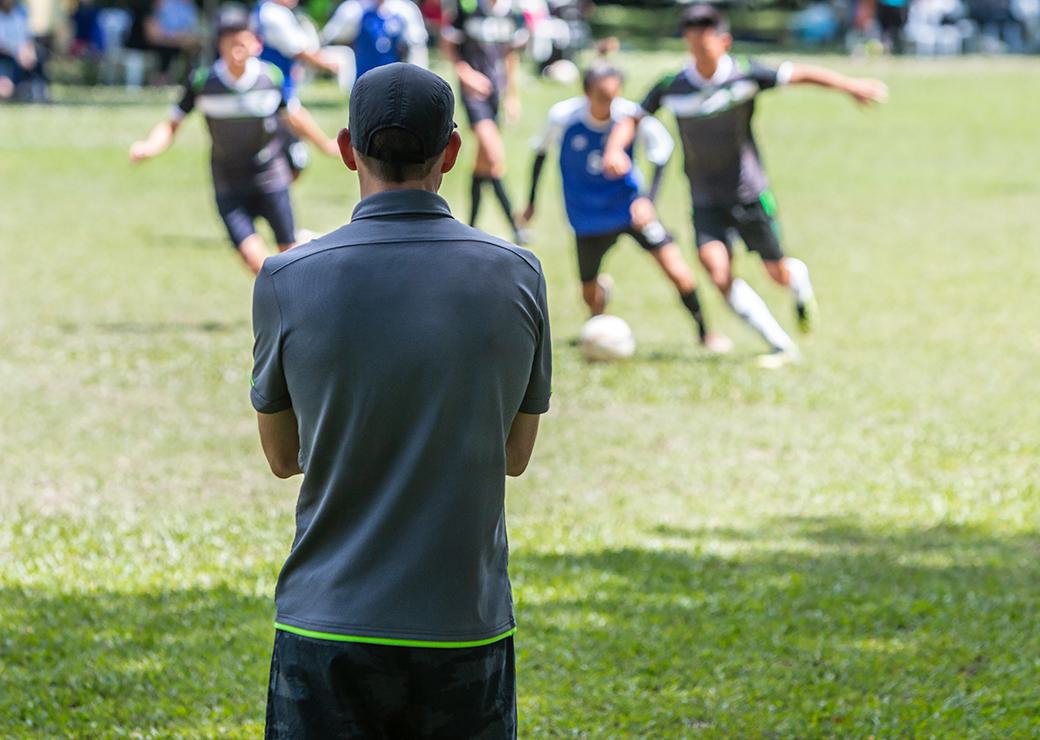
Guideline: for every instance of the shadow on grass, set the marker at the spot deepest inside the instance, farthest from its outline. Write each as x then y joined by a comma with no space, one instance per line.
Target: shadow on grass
110,663
813,626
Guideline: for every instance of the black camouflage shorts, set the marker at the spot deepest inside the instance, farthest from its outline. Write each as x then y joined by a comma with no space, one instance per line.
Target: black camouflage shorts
326,689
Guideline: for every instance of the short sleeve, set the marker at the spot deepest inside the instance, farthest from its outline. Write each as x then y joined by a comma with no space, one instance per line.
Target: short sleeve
186,104
344,24
559,116
652,101
655,140
768,77
539,386
270,392
281,30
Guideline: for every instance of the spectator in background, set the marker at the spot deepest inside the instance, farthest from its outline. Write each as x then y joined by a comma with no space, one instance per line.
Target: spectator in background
891,18
172,30
87,38
21,63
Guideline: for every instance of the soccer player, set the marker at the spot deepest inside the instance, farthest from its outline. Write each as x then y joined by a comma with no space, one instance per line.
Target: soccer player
380,32
286,45
482,39
601,209
241,98
713,100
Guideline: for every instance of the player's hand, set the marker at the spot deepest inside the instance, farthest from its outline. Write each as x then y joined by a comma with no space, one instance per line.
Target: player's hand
867,91
527,215
642,212
616,164
477,85
139,151
26,56
330,148
513,108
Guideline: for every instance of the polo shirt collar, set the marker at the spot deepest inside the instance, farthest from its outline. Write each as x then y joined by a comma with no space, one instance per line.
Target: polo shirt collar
402,203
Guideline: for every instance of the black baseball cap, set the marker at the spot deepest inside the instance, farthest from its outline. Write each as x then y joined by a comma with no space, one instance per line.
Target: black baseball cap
703,15
406,97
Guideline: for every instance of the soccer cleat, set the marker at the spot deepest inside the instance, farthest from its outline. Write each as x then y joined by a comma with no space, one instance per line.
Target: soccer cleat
305,235
521,237
808,315
717,344
779,358
606,284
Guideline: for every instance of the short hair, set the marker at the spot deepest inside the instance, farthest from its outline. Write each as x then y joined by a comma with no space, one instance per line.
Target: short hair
598,72
396,155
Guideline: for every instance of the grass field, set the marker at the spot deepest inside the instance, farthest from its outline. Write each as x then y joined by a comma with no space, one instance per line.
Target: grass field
700,548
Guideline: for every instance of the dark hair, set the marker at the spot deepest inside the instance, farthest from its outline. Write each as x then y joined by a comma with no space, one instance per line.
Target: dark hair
598,72
396,155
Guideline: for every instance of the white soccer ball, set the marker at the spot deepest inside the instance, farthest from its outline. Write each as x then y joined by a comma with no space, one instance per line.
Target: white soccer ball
607,338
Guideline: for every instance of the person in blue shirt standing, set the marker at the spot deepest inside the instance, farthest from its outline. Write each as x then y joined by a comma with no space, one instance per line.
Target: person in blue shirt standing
380,32
601,209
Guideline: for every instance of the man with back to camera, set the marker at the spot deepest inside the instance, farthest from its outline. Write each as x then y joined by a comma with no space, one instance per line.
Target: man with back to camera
401,364
601,209
713,99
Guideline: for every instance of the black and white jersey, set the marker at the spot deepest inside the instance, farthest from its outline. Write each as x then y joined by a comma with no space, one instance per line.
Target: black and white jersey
243,120
486,31
714,120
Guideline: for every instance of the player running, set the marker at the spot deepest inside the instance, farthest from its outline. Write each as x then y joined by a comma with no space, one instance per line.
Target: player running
482,39
713,100
380,32
241,98
601,209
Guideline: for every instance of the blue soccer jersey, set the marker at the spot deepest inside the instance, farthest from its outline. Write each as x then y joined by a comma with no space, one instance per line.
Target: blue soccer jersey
379,32
283,39
595,203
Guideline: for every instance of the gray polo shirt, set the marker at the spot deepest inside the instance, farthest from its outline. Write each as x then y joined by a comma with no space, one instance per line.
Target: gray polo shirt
406,343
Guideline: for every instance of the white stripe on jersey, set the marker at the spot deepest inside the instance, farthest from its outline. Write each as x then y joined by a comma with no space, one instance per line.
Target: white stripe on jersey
711,101
252,104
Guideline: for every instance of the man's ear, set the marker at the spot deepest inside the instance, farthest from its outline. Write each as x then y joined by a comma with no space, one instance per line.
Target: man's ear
451,152
346,149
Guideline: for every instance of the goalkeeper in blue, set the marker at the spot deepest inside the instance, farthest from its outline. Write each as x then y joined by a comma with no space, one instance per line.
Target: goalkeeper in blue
600,209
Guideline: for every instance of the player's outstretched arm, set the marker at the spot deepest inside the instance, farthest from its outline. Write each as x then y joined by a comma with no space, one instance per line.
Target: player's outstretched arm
303,125
157,142
864,91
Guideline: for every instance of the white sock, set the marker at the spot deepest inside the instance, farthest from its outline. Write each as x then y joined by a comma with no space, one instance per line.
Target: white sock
801,286
748,305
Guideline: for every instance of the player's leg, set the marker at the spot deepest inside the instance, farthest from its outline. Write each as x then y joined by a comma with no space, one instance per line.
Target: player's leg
238,220
276,208
491,165
712,226
595,288
656,240
759,228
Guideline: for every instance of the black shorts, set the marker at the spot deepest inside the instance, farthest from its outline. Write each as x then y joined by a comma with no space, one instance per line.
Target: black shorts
240,209
593,248
478,110
325,689
755,223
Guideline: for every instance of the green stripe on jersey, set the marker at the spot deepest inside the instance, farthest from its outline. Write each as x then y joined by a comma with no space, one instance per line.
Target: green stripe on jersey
389,640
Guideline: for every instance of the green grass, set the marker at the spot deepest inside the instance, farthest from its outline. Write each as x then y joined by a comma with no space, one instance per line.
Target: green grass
845,548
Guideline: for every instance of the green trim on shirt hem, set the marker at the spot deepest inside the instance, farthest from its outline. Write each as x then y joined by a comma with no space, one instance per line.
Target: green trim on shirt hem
390,640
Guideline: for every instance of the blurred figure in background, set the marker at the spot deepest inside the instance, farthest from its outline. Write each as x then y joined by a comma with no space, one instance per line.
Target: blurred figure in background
172,31
380,32
482,38
21,62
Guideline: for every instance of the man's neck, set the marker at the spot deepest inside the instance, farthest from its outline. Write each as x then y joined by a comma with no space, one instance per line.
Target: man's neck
706,68
235,72
371,186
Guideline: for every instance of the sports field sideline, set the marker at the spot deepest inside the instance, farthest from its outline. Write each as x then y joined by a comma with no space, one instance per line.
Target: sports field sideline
850,547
